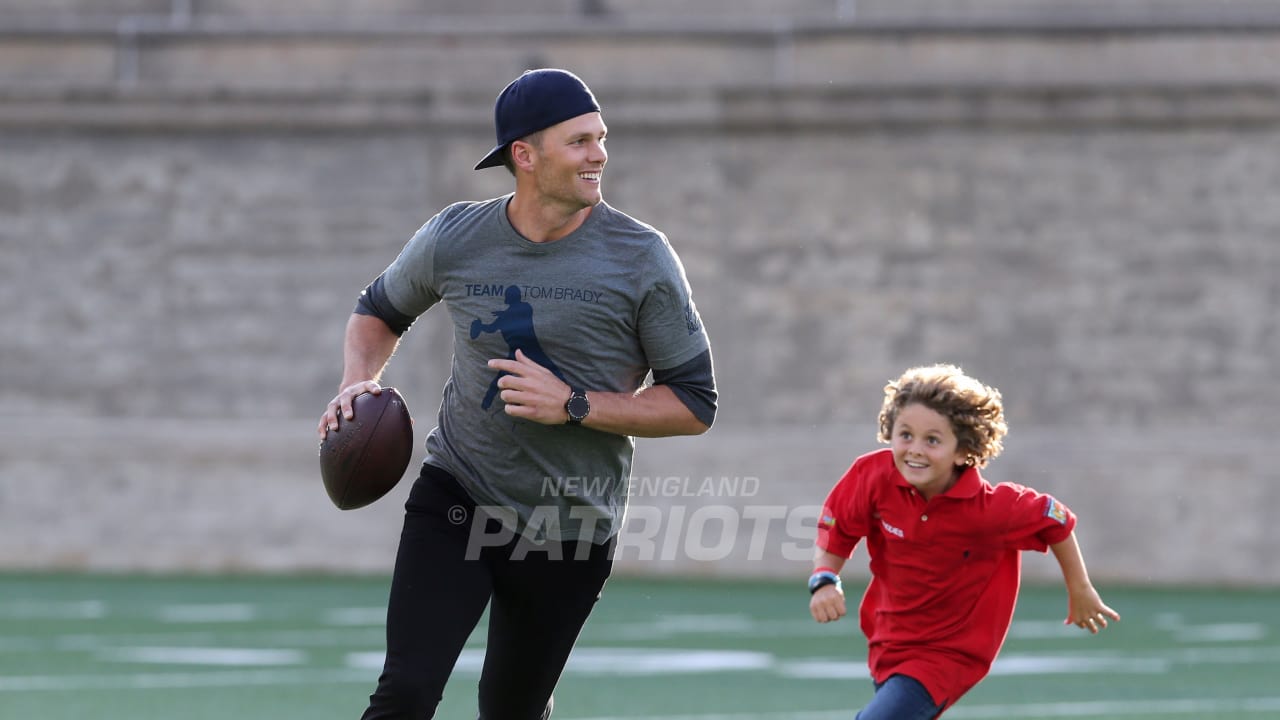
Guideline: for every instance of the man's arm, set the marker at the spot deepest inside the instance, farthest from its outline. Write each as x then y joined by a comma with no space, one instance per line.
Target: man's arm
654,411
368,346
533,392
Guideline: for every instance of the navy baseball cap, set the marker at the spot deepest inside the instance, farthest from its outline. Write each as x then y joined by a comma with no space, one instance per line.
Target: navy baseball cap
535,101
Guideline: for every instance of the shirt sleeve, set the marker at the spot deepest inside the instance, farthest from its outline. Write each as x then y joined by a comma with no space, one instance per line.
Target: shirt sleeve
409,282
373,301
1036,520
695,384
842,523
670,328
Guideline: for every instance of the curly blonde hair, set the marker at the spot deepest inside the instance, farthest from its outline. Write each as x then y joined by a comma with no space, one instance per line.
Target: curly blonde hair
975,410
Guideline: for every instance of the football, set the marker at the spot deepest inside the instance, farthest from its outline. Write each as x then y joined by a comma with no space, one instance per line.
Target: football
367,455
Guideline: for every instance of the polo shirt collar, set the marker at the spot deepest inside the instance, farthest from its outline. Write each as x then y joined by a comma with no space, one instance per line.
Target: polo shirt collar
967,485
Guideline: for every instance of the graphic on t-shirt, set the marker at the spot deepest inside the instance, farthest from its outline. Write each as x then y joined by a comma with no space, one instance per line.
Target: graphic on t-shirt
515,323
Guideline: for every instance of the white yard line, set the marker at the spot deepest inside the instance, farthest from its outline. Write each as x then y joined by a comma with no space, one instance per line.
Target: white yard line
32,610
1188,706
1118,708
168,680
210,613
209,656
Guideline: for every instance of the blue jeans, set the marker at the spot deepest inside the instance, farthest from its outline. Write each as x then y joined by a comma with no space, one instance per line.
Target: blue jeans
900,698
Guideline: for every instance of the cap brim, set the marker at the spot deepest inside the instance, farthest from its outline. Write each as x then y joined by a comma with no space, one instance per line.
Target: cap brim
493,159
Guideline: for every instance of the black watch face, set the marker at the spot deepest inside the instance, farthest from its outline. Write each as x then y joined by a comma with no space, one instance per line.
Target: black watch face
578,407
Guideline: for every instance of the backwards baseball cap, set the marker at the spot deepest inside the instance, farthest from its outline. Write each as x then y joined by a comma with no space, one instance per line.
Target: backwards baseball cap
535,101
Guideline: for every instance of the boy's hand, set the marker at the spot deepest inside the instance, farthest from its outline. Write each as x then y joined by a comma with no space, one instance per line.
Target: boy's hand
1086,610
827,604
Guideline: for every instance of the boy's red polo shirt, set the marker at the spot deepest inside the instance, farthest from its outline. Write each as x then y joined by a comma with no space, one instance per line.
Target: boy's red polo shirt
945,573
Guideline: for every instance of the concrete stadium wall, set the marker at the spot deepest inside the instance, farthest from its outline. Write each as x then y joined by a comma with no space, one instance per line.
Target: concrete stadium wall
1084,220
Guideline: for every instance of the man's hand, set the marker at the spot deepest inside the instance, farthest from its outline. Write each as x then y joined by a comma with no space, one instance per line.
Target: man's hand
531,391
340,406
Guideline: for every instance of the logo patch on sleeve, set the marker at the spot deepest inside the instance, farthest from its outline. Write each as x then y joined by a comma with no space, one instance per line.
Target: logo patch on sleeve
1055,511
827,521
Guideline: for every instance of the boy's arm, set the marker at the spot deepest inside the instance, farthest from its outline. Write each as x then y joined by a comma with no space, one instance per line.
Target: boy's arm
827,603
1085,608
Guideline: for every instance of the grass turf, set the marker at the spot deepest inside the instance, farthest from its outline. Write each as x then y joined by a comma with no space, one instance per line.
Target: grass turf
116,647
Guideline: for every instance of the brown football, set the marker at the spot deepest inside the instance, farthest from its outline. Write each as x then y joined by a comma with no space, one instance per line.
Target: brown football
367,455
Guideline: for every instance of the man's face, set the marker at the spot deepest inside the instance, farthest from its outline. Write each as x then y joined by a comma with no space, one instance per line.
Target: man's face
569,162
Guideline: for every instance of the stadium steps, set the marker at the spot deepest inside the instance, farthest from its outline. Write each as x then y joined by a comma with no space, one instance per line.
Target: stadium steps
192,63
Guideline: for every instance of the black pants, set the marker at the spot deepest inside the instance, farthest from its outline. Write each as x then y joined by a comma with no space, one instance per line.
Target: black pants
540,601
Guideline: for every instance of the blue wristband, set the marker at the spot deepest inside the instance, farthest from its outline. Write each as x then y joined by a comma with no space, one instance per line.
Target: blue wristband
822,578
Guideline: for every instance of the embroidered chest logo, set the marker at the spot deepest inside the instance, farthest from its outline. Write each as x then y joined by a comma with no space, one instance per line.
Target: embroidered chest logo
1055,510
891,529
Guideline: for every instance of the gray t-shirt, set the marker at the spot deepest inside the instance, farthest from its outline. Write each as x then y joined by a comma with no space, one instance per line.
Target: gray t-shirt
599,308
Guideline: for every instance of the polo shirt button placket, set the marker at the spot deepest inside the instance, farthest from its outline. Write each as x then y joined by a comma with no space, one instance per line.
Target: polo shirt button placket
924,518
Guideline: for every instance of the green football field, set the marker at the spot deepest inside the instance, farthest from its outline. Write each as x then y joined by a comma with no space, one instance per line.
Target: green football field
117,648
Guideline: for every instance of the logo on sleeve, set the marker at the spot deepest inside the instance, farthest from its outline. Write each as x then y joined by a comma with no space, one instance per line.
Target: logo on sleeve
692,321
1055,510
827,522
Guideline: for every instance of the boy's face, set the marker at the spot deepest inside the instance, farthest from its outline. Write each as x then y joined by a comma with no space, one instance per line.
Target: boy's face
925,449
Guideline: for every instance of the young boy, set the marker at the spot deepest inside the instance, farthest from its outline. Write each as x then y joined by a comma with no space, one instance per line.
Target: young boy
944,544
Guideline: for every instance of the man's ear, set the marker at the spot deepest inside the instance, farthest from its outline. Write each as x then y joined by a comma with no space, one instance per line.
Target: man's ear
522,154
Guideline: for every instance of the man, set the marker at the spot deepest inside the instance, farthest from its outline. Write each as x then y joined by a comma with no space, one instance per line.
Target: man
561,307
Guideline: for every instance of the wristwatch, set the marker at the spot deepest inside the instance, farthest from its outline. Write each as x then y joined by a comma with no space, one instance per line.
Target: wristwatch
577,406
